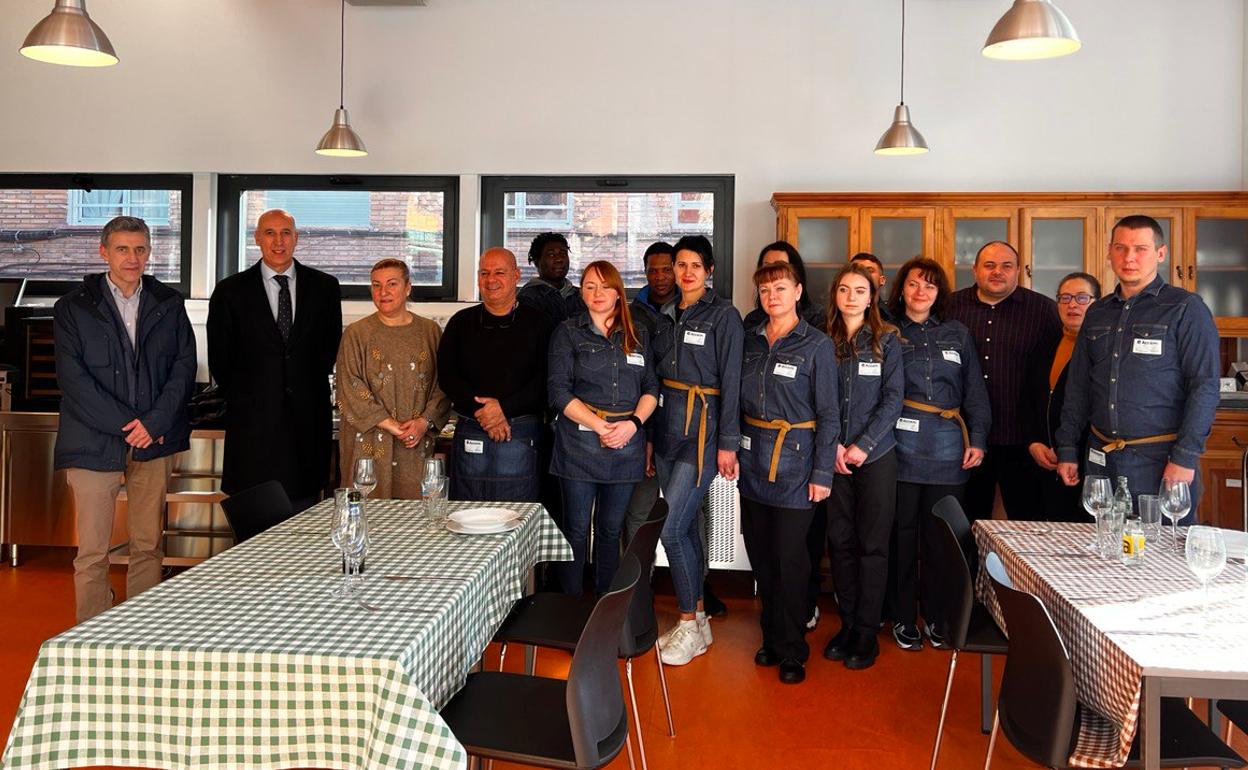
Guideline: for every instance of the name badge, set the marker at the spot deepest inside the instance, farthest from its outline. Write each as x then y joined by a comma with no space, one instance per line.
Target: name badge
785,370
906,423
695,338
1096,457
952,355
869,368
636,359
474,447
660,400
1146,347
745,443
584,428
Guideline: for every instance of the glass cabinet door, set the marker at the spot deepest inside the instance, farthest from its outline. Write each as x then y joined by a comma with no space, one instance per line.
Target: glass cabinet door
1057,241
825,237
965,231
895,235
1220,269
1171,221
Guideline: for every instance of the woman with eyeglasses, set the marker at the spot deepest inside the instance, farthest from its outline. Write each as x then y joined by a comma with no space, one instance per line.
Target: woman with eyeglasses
1044,390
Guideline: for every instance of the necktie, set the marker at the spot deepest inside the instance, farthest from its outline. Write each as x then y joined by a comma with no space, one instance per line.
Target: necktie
285,316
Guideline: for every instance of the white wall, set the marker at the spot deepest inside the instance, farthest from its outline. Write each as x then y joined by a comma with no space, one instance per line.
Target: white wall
785,94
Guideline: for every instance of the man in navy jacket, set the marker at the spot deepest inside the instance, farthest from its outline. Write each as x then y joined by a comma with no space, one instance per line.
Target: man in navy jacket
125,363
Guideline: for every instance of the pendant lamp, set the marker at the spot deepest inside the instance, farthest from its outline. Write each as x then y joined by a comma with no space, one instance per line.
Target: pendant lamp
340,140
68,36
902,138
1032,29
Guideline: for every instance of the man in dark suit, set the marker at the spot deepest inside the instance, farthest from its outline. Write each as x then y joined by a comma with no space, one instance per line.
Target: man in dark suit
273,333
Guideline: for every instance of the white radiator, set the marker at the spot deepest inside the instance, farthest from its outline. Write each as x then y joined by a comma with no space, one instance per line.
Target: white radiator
724,545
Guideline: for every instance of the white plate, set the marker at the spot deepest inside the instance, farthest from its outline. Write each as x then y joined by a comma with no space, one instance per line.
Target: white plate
477,518
492,529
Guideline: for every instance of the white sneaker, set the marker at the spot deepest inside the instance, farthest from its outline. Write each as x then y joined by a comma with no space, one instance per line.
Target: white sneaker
684,644
814,621
704,625
667,635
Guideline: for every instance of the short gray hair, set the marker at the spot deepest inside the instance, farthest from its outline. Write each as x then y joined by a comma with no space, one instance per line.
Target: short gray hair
125,224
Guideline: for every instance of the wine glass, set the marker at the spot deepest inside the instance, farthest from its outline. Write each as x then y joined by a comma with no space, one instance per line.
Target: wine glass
1206,556
341,536
1176,501
434,467
356,548
365,479
1098,498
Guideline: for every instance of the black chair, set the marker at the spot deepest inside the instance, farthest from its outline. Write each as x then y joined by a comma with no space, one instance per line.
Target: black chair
1236,713
1037,708
968,625
555,620
579,722
254,510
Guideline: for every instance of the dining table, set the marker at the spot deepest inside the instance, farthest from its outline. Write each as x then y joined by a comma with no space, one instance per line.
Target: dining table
1135,632
250,660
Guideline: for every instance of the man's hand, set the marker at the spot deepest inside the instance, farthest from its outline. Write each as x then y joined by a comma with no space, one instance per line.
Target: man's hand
1178,473
137,435
1044,456
490,415
500,431
1069,473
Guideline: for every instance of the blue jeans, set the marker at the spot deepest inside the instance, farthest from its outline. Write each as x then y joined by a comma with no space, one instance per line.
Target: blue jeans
578,506
681,536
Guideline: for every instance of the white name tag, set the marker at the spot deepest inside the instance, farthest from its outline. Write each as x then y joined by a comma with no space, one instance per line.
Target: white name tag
584,428
869,368
474,447
660,400
745,443
906,423
695,338
785,370
636,359
1146,347
952,355
1096,457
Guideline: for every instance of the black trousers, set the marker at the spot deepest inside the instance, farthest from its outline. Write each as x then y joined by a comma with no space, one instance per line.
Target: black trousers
1059,502
860,520
1010,466
913,586
775,539
816,543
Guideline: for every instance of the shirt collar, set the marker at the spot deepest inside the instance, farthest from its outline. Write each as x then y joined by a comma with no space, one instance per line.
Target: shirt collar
931,320
117,293
269,272
1153,288
1014,296
800,330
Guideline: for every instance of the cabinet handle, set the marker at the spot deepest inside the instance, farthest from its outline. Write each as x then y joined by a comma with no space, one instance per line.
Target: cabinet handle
1178,272
1027,269
1235,440
1191,272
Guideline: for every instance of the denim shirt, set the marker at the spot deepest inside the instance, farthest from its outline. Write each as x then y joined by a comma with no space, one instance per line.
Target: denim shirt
702,348
793,380
1144,366
941,369
871,390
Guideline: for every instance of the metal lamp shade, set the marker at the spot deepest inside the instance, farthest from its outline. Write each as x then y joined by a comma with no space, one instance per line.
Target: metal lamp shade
901,138
340,140
1032,29
68,36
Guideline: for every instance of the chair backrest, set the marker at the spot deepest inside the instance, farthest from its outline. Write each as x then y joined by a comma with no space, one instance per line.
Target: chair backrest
953,570
1037,704
257,508
640,625
595,700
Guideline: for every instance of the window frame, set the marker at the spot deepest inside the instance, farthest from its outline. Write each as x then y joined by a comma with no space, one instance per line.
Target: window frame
75,204
495,188
230,189
540,225
183,183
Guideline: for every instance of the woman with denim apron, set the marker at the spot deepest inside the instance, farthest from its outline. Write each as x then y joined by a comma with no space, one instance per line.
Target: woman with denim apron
698,362
790,418
864,491
940,435
602,386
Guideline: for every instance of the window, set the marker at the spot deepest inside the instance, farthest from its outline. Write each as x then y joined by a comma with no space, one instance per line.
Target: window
346,224
50,225
614,218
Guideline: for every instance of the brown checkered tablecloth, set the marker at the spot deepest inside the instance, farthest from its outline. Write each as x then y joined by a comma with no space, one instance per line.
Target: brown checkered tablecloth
1119,622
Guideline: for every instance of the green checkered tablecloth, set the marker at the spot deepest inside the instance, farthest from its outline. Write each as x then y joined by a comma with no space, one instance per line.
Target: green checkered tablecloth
247,661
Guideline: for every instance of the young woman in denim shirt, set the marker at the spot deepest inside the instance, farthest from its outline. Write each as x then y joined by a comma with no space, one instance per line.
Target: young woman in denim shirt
940,435
860,510
602,385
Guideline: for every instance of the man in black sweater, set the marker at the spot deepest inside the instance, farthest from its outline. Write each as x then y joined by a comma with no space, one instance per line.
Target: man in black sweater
492,365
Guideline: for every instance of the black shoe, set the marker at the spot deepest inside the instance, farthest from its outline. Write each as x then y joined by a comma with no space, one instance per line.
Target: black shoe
935,637
907,637
792,671
765,657
863,650
838,646
711,603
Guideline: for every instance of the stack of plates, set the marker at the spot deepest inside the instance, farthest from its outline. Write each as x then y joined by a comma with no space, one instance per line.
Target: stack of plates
483,521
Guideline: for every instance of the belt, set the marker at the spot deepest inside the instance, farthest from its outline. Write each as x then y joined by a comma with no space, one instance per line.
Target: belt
699,392
784,426
1114,444
604,414
948,414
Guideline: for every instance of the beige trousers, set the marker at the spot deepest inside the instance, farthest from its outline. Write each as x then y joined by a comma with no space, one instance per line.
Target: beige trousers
95,497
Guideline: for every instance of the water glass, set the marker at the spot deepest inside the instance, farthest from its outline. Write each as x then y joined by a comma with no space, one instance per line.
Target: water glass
1176,501
1206,556
1150,518
1098,497
1109,527
434,490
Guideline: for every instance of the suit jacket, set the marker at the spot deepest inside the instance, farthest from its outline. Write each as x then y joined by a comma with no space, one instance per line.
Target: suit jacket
278,418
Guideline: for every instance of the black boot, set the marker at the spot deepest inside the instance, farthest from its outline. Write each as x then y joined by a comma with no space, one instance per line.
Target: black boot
838,646
863,649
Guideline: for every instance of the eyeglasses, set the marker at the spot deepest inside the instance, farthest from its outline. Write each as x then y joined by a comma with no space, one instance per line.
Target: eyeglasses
1081,298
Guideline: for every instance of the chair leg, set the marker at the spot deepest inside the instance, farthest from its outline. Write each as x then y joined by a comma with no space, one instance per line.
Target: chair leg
667,703
628,743
632,696
944,706
985,693
502,655
992,739
530,659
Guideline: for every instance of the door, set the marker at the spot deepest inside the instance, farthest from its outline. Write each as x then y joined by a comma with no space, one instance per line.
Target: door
1056,241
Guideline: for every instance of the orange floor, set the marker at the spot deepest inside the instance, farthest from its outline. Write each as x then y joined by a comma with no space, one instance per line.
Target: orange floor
728,712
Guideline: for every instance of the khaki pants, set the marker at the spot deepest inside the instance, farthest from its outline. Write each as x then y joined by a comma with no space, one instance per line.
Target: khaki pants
95,497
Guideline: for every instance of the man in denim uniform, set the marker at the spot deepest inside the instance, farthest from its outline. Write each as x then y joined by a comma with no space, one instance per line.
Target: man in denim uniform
1144,373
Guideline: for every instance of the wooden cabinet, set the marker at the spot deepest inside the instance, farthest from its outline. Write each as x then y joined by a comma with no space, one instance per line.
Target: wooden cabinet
1221,471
